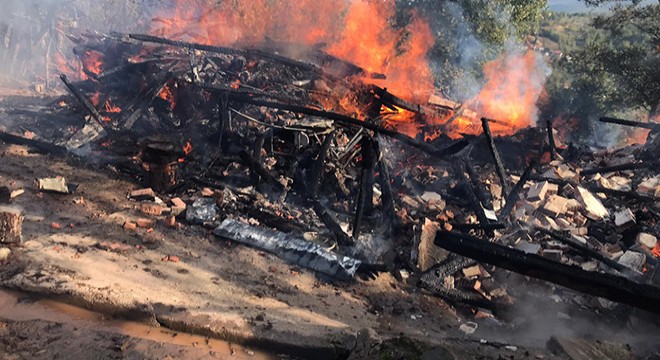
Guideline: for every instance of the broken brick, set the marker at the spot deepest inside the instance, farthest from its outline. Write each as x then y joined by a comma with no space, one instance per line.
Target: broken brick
128,225
145,223
151,209
142,194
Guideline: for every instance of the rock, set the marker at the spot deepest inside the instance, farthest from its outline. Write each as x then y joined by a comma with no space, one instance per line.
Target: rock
4,254
647,240
593,208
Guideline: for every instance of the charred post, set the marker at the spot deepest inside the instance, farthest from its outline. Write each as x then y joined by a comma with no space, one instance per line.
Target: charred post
499,167
365,194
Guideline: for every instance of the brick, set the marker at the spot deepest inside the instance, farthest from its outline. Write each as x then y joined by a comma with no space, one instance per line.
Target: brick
556,205
538,191
207,192
142,194
151,209
145,223
178,206
130,226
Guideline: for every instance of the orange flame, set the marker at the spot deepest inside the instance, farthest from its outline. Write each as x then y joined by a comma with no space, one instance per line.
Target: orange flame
188,148
167,95
656,249
109,108
92,61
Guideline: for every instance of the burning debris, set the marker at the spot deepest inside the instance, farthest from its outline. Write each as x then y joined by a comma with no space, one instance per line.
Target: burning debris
296,151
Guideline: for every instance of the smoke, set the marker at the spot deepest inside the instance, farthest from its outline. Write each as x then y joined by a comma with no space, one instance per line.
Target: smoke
34,34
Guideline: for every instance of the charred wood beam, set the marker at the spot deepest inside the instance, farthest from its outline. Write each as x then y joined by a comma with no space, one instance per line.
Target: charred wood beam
388,98
365,194
83,100
319,164
650,126
478,209
223,120
258,169
499,167
485,227
389,210
331,224
623,167
186,45
551,139
584,249
226,50
480,190
346,120
512,197
609,286
37,145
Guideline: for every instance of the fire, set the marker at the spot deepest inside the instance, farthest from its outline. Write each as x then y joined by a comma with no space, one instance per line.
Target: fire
358,31
187,148
109,108
362,32
167,95
92,62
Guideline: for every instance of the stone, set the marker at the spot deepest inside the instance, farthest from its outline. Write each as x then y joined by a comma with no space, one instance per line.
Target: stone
593,208
647,240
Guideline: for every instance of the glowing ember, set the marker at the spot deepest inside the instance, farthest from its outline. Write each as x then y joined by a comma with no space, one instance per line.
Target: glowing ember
92,61
167,95
109,108
188,148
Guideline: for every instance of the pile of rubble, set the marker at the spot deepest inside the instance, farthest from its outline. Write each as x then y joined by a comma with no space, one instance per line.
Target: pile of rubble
278,154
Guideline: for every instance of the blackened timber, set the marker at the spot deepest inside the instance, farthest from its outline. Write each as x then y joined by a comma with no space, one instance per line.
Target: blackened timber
365,193
485,227
223,120
512,197
480,190
40,146
387,97
346,120
186,45
459,167
551,139
499,167
225,50
622,167
594,254
83,100
612,287
259,169
319,165
331,224
388,196
649,125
